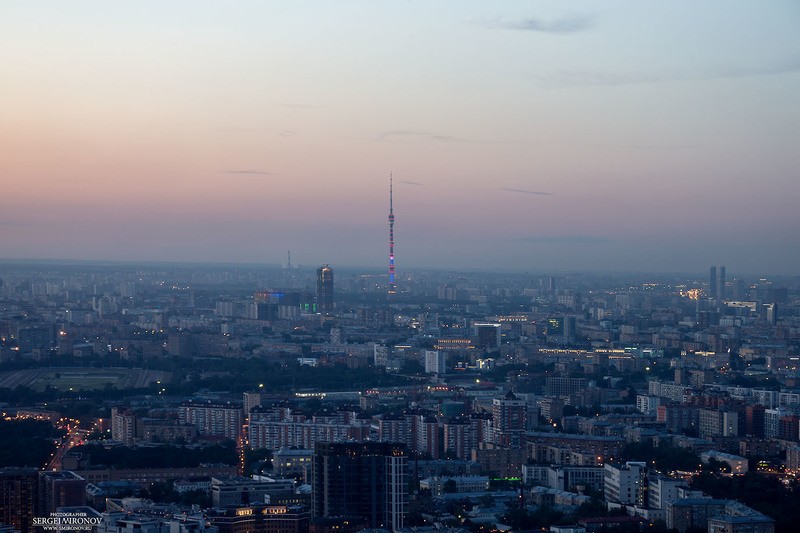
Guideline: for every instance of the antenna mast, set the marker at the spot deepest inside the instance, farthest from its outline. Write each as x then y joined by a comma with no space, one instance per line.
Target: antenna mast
392,289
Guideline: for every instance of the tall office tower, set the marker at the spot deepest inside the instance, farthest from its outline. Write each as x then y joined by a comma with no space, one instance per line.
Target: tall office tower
18,494
721,285
509,417
551,284
392,287
712,282
361,479
325,289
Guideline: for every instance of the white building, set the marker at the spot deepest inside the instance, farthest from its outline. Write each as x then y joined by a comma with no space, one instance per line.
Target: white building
647,404
434,362
625,484
738,464
569,477
662,490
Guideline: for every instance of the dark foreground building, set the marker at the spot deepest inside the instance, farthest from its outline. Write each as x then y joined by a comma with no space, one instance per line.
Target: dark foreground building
361,479
18,494
27,493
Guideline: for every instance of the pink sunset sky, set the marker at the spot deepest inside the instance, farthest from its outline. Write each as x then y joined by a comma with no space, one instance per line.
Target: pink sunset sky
521,135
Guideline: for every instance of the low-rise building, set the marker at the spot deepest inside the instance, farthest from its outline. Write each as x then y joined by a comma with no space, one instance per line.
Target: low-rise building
439,485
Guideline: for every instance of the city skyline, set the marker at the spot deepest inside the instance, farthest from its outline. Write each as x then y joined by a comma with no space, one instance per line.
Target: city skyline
543,136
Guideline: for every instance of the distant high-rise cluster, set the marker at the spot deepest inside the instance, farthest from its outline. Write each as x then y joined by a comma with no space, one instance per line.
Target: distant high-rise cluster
712,282
716,283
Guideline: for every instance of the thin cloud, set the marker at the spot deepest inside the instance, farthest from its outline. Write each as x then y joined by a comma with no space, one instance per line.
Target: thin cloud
402,133
565,24
249,172
663,146
411,182
584,77
525,191
396,135
564,239
297,106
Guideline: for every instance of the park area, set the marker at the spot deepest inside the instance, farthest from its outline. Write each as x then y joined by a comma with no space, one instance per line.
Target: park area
70,378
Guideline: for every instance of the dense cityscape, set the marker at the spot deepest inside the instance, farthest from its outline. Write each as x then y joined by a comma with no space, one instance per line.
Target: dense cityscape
291,399
400,267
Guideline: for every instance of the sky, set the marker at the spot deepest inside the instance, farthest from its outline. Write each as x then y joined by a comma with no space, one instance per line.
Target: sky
521,135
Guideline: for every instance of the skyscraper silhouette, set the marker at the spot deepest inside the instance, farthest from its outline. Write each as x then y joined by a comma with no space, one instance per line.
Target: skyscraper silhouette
712,282
325,289
362,479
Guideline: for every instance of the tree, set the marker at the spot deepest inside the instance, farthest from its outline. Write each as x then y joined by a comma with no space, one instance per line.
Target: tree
196,497
261,459
486,501
161,492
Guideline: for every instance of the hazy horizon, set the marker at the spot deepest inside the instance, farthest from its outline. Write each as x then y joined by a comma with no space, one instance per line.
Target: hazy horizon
546,136
309,268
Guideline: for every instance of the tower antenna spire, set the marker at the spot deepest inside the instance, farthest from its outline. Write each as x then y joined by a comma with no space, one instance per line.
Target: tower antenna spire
392,289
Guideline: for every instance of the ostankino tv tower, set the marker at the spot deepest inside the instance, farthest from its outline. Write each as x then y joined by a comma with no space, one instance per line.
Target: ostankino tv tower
392,287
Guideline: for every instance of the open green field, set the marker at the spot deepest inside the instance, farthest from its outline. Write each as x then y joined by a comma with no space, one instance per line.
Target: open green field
83,378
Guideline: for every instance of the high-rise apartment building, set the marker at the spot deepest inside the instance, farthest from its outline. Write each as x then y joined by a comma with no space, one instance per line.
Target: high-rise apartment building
429,437
213,419
124,425
361,479
509,417
435,362
459,437
380,355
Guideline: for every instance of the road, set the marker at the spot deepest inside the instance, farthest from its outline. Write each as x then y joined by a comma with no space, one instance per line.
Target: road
75,437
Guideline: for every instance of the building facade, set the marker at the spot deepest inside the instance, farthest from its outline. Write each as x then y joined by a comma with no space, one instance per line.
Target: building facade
362,479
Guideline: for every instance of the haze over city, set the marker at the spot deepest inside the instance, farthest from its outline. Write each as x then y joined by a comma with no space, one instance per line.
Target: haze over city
521,135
